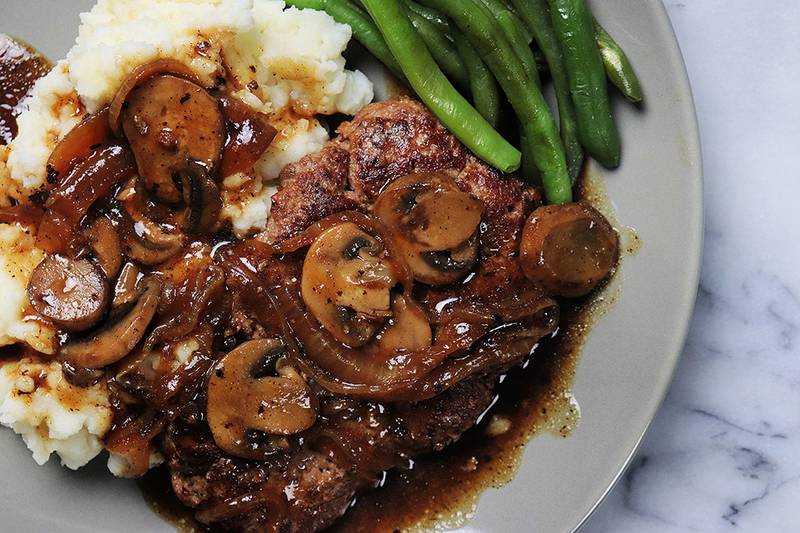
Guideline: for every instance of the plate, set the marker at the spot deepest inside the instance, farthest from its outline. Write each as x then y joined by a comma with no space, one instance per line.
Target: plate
627,361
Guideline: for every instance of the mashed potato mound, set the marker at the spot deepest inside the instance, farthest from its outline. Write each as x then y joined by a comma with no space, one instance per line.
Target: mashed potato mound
286,63
18,257
282,61
52,415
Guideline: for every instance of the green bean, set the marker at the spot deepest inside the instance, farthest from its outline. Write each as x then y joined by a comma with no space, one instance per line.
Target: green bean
483,87
597,130
430,14
618,67
498,9
436,91
442,50
528,168
536,15
526,99
485,93
520,47
364,30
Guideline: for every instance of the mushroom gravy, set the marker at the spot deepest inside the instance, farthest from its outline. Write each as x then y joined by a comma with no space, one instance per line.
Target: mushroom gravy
20,67
441,491
532,398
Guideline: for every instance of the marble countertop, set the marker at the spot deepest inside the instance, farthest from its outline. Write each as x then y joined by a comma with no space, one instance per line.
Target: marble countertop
723,453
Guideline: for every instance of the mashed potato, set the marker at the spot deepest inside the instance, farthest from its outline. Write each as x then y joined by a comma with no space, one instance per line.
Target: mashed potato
18,257
287,63
52,415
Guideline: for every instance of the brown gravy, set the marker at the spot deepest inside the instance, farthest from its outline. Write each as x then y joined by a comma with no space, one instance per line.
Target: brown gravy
20,67
435,491
440,491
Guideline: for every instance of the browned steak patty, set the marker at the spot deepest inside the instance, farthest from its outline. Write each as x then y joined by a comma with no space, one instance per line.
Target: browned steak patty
306,486
311,478
386,141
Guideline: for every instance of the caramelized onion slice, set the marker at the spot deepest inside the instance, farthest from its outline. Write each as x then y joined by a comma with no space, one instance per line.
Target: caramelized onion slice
22,214
434,224
123,329
125,290
200,289
168,121
140,75
249,135
346,282
87,182
72,293
503,348
92,132
90,180
568,249
251,389
361,372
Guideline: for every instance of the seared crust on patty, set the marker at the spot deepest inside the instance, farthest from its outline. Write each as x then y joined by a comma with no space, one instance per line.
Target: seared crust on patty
385,141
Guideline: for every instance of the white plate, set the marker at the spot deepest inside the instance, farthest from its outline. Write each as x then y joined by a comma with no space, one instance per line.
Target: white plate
627,361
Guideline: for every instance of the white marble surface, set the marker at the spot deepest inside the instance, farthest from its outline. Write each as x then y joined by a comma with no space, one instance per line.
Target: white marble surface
723,453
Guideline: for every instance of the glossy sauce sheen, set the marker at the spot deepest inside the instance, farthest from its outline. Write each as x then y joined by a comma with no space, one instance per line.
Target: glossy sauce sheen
20,67
438,490
441,490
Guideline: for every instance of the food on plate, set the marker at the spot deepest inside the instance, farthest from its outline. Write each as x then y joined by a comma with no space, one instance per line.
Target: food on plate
205,268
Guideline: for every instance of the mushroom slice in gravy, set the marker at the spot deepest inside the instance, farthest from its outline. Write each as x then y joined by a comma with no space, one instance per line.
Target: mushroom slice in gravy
346,283
123,330
252,389
435,225
168,121
72,293
568,249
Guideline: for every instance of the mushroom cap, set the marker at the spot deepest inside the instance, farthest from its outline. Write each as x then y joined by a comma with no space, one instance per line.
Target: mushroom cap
252,389
346,283
169,120
434,223
144,240
123,330
568,249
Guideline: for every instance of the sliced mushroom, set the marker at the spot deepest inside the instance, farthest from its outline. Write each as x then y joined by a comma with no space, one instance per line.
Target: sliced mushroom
201,195
82,377
568,249
169,120
456,261
250,391
123,329
106,246
346,283
408,330
435,225
143,240
72,293
139,75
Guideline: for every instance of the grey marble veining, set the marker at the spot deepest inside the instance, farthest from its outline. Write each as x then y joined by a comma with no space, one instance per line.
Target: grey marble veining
723,453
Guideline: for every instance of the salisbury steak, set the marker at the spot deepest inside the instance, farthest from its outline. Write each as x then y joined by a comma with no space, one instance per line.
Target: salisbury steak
304,482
